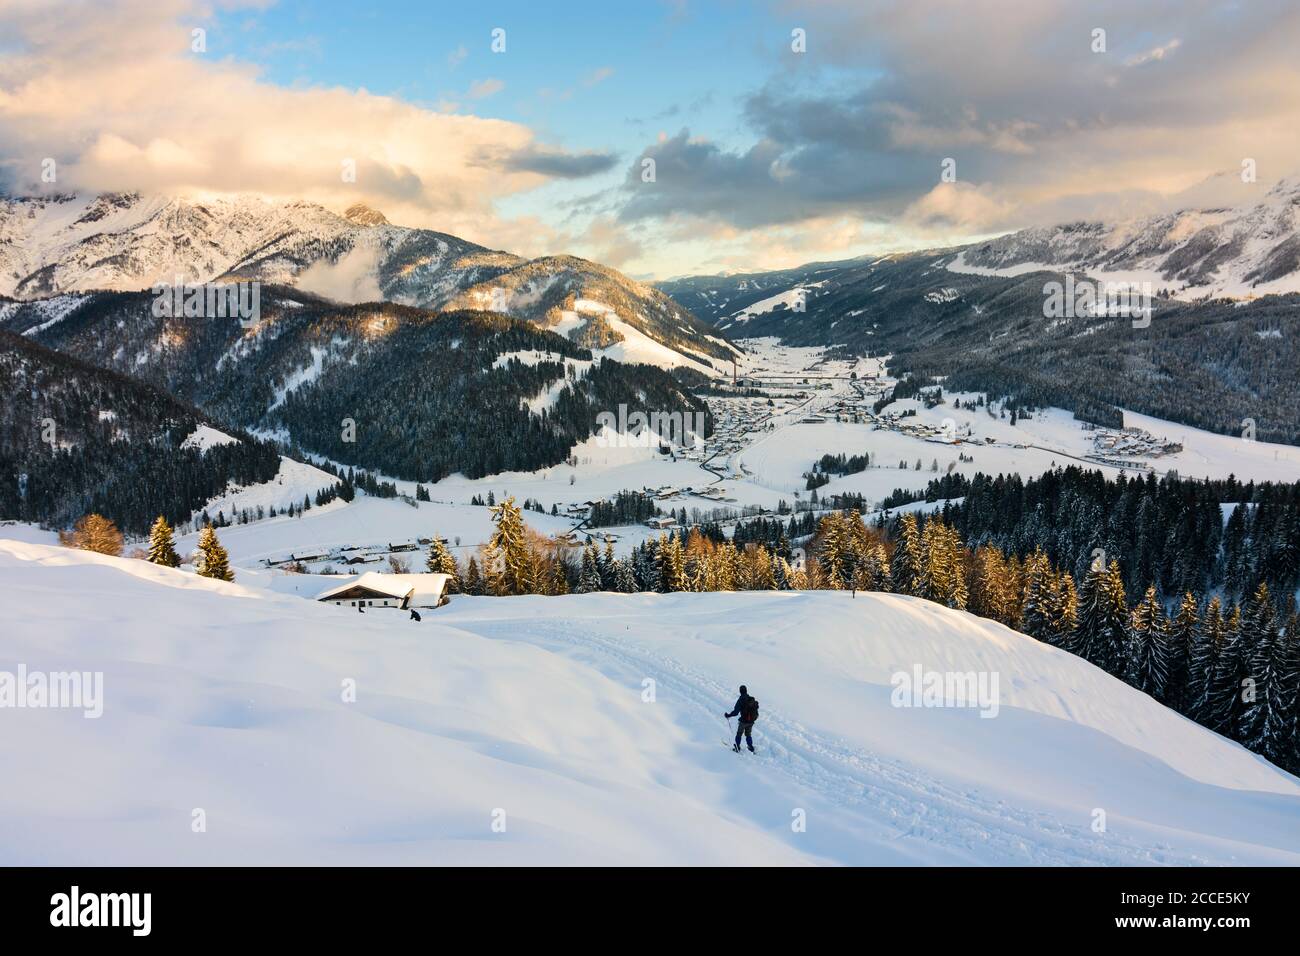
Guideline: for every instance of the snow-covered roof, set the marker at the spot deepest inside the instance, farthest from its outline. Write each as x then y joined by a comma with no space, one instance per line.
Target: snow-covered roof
425,589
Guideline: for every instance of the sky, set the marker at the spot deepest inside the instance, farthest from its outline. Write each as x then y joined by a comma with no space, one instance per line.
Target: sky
777,132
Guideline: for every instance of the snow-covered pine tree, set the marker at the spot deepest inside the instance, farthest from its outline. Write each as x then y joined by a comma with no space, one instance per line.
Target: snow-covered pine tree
162,546
1203,663
905,565
1064,611
509,543
607,567
762,574
781,574
1183,635
1148,653
1258,639
213,562
1280,737
1102,631
589,577
992,590
833,550
1223,700
624,579
441,561
672,564
1036,603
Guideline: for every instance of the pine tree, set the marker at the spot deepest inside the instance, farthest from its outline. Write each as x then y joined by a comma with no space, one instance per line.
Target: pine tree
509,544
905,565
833,553
1148,654
1184,635
589,578
1278,738
1204,663
1101,635
441,561
213,561
1223,701
1258,640
992,587
1035,615
672,564
162,546
1064,613
624,579
473,579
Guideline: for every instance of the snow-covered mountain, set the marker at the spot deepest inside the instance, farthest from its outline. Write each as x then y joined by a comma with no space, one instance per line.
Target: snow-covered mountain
127,242
1246,251
587,729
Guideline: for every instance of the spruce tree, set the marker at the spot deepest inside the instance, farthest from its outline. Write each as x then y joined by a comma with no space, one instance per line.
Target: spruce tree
1278,738
1184,635
624,579
1223,702
1204,663
1101,634
162,546
1258,641
509,543
905,565
473,579
1148,654
213,560
441,561
1036,610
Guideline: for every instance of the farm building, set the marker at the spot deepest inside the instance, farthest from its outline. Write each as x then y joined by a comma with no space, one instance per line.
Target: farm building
377,589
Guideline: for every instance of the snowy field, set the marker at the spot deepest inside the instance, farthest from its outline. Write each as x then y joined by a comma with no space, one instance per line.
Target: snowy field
534,713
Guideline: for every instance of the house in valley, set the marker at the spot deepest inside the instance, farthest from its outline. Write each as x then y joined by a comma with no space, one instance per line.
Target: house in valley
377,589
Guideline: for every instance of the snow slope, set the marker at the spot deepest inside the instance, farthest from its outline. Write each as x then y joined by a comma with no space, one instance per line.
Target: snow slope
227,698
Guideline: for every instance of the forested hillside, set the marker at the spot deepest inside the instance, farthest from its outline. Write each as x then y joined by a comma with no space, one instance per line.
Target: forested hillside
76,439
411,393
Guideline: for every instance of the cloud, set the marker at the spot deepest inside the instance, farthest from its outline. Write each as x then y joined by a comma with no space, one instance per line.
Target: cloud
482,89
457,56
561,165
1038,124
113,93
351,279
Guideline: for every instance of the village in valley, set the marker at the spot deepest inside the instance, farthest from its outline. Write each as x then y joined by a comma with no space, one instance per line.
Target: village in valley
775,414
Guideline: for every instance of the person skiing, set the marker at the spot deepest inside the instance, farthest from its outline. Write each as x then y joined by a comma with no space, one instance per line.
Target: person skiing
747,710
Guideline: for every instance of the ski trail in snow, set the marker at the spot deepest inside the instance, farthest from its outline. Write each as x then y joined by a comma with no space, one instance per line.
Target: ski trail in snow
902,801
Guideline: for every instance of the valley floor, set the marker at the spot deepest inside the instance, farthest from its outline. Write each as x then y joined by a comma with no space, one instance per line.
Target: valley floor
589,729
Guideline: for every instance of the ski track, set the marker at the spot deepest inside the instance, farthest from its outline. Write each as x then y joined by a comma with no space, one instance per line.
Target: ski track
904,801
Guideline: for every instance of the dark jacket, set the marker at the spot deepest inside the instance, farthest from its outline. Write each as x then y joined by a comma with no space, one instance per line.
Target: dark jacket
740,705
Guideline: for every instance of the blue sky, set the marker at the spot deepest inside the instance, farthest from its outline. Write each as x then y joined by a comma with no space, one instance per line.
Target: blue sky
764,157
591,75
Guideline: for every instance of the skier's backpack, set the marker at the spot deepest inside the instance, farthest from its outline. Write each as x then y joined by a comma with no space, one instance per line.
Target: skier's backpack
749,710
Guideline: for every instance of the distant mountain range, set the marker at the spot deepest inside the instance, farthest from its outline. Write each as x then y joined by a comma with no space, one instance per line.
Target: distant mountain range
50,246
1193,254
978,317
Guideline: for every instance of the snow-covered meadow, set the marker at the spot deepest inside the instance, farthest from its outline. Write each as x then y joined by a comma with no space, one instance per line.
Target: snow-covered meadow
588,729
